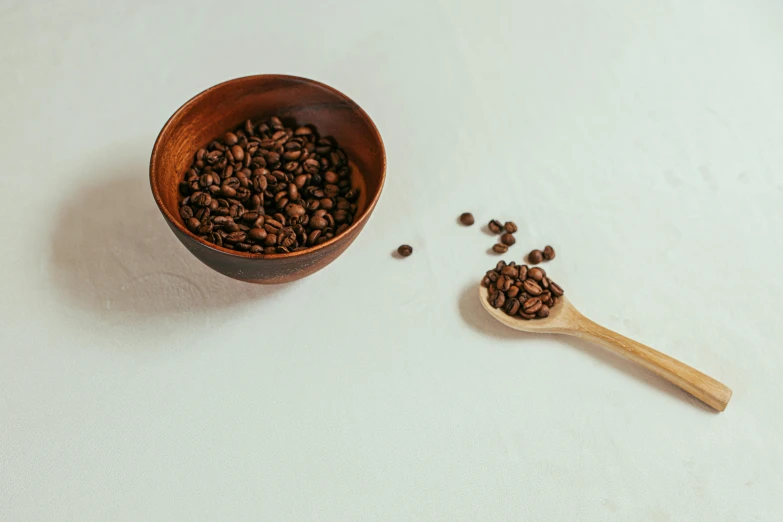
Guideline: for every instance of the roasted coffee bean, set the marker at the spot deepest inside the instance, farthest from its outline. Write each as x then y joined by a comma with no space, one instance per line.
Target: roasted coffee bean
512,292
531,287
266,168
497,298
536,273
545,296
510,271
193,224
510,227
549,253
535,257
236,237
555,289
403,250
467,219
512,306
500,248
532,305
503,283
543,311
507,239
495,226
523,315
544,282
256,249
257,234
485,282
493,275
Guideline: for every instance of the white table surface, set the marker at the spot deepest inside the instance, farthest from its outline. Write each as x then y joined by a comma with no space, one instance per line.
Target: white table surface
644,140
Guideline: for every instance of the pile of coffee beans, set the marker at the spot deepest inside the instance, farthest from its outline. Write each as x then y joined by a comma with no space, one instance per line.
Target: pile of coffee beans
521,291
268,188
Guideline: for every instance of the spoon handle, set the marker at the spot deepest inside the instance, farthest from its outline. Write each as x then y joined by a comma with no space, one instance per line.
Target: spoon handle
703,387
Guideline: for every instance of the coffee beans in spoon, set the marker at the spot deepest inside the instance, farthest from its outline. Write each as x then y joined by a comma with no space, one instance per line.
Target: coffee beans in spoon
268,188
521,291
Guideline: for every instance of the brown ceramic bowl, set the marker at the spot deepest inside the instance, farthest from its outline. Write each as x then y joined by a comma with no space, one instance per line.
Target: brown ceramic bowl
223,108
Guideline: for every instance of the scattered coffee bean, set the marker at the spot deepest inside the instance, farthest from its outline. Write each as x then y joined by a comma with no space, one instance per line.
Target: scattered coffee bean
535,257
510,227
495,226
500,248
517,290
405,250
507,239
274,184
466,219
549,253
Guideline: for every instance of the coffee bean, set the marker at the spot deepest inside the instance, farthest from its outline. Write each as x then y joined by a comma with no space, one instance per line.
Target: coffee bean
536,273
510,271
466,219
230,139
257,234
549,253
186,212
507,239
193,224
523,315
531,287
403,250
485,282
503,283
555,289
495,227
512,292
523,272
510,227
543,311
532,305
535,257
493,275
500,248
512,306
497,298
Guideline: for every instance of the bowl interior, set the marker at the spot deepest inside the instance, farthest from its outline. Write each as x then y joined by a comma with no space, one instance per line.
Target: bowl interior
227,105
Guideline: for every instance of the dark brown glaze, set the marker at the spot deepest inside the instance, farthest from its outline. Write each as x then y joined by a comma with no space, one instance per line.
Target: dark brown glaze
224,107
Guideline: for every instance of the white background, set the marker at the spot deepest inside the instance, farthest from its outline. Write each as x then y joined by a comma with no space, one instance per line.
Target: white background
644,140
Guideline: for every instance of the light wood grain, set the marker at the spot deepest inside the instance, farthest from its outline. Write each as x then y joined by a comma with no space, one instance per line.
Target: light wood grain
566,319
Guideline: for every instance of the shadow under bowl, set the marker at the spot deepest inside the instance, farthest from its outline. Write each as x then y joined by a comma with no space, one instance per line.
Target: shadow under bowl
226,106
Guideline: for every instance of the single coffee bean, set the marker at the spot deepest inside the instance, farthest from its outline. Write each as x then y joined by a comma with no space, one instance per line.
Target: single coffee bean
512,306
531,287
186,212
549,253
555,289
510,227
497,299
493,275
503,283
523,315
230,139
403,250
545,296
543,311
500,266
507,239
193,224
257,234
512,292
532,305
544,282
535,256
495,227
523,272
510,271
466,219
485,282
536,273
500,248
256,249
236,237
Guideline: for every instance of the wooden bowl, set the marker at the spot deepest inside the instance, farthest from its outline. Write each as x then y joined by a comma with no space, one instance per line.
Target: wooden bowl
226,106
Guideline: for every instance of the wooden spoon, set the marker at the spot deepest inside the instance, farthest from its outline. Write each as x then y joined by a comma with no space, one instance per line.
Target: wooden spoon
564,318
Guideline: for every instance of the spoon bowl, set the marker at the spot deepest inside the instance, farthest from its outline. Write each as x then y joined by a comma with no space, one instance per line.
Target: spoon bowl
565,319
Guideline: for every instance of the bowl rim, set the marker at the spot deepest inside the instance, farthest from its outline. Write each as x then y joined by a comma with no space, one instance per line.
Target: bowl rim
157,147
